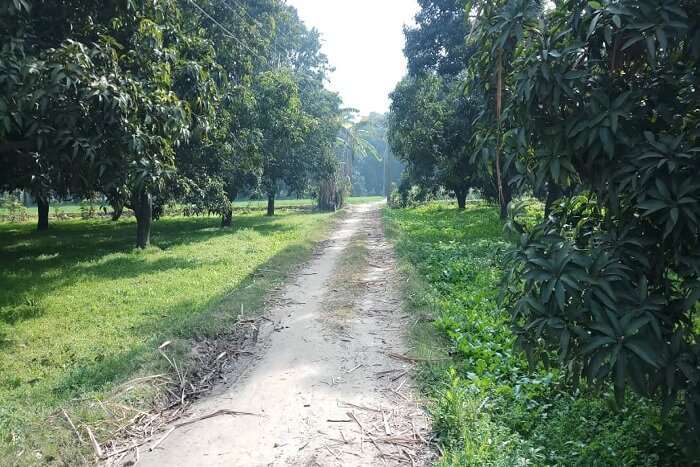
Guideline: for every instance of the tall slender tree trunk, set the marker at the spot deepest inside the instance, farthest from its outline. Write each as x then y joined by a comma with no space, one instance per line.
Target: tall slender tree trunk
143,209
507,198
387,174
499,103
42,206
270,204
461,198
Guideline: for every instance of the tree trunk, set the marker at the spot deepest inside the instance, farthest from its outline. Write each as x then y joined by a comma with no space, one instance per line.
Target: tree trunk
499,102
553,194
461,198
42,206
505,200
387,174
143,209
327,199
227,218
117,211
271,204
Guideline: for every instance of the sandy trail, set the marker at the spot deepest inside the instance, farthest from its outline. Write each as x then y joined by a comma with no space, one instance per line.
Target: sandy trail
326,391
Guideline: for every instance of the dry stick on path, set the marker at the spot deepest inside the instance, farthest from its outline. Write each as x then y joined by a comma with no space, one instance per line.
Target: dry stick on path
199,419
410,359
216,414
355,406
162,438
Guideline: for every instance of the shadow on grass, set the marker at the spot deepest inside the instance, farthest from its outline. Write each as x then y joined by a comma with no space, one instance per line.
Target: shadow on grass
36,264
184,320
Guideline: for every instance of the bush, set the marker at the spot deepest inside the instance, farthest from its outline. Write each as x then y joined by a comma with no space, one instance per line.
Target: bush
492,408
16,212
88,208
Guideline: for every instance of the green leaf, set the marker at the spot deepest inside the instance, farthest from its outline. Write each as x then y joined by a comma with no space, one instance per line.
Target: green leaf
607,141
564,339
597,343
651,50
661,37
652,206
620,370
635,325
593,24
643,353
630,42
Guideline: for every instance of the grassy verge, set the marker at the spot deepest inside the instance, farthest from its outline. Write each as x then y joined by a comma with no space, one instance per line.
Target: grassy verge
489,407
80,311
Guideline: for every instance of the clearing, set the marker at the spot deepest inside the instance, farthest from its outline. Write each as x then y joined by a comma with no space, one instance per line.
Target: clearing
331,383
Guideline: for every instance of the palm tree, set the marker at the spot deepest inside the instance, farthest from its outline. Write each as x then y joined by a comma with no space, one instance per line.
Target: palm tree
351,143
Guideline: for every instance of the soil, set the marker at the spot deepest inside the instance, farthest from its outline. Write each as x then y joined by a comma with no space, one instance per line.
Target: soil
330,384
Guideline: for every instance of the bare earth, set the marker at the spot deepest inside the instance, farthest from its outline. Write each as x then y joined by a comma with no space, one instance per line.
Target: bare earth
330,387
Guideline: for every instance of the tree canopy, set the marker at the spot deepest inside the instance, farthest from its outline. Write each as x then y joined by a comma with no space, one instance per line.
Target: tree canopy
593,108
148,102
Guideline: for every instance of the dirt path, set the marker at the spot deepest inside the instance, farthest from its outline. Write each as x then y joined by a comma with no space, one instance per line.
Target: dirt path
326,389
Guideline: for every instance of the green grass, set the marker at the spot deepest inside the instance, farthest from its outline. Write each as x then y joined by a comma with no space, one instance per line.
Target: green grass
364,199
80,310
66,208
489,407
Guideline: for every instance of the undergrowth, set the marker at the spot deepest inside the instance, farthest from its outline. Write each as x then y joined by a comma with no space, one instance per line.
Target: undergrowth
489,407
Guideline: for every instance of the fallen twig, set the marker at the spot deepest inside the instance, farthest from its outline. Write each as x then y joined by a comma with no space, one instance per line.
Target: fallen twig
362,430
401,385
355,406
216,414
70,422
95,444
387,430
334,454
162,438
358,366
410,359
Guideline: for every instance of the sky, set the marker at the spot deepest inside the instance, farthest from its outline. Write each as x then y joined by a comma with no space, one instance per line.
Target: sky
364,41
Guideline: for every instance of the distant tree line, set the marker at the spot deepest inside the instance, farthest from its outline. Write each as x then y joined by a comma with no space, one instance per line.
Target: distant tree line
147,102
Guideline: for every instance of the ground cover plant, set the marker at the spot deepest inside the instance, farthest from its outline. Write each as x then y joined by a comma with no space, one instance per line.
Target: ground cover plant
489,406
80,310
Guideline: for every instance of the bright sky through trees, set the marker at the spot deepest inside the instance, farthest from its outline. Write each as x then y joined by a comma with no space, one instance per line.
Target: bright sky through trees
364,41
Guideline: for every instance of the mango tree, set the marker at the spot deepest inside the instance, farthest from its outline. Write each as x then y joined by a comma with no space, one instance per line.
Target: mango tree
605,105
